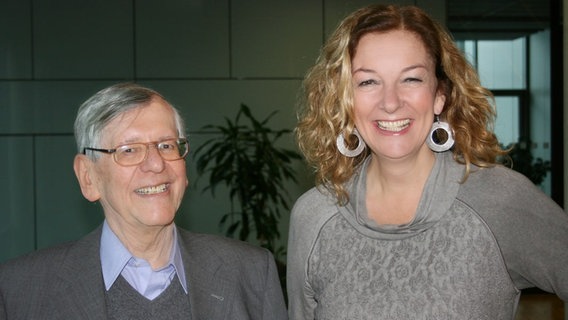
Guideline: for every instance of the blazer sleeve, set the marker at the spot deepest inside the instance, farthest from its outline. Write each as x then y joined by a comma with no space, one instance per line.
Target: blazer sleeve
242,279
3,315
274,306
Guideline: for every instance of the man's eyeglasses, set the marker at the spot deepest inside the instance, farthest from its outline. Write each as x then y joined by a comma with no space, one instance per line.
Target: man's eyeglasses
135,153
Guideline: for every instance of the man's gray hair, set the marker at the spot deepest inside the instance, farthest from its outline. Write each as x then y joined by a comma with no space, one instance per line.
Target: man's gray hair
104,106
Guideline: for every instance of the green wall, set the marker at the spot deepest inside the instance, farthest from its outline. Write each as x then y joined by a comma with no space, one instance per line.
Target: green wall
206,57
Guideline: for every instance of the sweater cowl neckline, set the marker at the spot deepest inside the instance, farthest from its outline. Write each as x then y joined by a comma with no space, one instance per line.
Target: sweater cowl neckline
438,195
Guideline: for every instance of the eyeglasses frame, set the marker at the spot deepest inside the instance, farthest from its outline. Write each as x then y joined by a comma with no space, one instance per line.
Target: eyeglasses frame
147,144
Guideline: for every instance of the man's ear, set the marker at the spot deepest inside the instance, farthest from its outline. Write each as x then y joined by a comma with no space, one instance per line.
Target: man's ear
84,172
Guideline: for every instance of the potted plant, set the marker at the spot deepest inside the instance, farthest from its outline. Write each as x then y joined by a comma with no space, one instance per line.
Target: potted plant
246,159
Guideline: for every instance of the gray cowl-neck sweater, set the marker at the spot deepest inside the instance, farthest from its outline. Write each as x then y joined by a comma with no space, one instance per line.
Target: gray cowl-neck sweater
469,250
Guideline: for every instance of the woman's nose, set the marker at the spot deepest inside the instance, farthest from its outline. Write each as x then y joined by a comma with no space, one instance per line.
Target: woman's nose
391,100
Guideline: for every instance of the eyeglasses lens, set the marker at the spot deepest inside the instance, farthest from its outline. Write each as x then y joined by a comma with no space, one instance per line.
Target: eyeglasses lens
135,153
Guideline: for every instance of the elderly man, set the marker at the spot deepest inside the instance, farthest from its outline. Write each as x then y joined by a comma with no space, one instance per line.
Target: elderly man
138,264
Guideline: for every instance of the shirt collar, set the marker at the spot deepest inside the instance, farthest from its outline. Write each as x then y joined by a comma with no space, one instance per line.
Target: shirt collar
115,256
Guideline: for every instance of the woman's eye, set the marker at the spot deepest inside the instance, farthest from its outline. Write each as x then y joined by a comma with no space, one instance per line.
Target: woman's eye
367,83
412,80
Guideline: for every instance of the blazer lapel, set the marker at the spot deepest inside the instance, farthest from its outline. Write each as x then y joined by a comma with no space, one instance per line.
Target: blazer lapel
211,295
83,292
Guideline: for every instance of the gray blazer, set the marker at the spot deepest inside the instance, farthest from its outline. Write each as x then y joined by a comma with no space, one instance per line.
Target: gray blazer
227,279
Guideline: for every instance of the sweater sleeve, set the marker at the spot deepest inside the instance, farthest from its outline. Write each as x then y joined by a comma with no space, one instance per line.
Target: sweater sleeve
307,218
530,228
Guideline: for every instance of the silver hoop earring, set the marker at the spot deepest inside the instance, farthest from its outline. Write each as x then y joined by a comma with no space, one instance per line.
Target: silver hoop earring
433,140
344,150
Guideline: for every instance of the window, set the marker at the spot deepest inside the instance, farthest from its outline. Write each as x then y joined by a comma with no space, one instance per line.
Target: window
501,65
521,86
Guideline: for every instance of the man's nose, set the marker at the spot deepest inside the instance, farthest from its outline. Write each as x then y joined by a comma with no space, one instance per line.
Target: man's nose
154,161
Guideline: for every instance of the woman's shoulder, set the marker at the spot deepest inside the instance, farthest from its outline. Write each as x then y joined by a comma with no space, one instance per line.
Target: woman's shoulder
500,177
310,212
503,193
316,197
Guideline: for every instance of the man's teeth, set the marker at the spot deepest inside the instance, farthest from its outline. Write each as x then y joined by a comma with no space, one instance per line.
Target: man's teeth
152,190
394,125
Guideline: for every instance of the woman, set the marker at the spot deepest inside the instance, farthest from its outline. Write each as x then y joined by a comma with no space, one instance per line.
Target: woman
412,216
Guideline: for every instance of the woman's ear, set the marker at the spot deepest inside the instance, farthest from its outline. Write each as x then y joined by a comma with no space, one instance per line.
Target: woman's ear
439,102
84,172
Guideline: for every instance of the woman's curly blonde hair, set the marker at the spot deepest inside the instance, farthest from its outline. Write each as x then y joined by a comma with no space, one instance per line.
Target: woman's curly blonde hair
327,104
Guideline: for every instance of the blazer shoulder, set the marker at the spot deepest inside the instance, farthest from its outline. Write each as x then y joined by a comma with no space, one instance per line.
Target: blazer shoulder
227,249
46,260
41,259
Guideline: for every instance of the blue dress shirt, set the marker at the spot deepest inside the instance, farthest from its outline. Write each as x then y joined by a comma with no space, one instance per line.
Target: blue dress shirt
117,260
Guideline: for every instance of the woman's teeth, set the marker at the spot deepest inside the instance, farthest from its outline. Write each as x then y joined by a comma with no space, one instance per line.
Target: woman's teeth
152,190
394,126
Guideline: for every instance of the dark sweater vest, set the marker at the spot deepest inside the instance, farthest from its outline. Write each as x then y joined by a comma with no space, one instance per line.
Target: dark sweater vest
124,302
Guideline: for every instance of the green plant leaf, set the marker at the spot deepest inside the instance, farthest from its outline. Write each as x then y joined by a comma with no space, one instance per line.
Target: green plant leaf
246,159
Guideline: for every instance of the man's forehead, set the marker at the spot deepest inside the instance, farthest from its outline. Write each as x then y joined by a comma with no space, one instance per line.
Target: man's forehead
118,129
